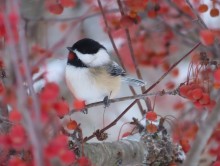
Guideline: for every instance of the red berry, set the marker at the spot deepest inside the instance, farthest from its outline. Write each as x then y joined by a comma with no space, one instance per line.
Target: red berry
67,3
217,74
197,93
183,90
50,92
67,157
216,163
175,72
205,99
214,12
207,37
151,115
71,125
185,145
84,161
15,116
198,105
61,107
79,104
16,161
203,8
170,85
18,136
190,95
55,8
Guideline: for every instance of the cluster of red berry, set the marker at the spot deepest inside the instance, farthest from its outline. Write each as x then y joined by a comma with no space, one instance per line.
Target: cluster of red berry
197,94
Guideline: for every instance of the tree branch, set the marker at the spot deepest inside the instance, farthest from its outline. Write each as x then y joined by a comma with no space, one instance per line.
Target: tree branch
132,150
128,36
202,137
139,96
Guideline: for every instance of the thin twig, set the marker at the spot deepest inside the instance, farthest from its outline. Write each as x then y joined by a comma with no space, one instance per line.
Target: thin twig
128,36
150,88
120,99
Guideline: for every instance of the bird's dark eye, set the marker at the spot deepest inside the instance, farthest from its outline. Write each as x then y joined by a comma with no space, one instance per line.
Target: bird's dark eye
71,55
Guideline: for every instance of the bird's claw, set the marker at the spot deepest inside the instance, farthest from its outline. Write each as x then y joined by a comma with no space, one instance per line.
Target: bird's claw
106,101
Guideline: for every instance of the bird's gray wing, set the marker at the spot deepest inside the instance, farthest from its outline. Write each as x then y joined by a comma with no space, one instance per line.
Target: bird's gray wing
115,70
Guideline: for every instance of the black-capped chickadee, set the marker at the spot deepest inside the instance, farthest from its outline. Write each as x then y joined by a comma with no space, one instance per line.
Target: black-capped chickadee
90,73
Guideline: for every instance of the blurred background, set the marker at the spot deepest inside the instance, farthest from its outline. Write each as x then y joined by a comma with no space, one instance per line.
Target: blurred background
161,32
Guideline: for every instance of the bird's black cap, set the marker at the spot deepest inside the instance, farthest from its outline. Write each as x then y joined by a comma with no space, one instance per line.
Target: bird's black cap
86,46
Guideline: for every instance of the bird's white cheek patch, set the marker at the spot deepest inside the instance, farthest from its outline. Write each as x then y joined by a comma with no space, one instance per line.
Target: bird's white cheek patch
85,58
101,58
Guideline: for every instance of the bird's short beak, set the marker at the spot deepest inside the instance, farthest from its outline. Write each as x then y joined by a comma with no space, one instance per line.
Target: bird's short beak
70,49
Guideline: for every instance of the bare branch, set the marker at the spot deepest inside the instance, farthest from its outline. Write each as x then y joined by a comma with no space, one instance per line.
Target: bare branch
202,137
146,151
140,96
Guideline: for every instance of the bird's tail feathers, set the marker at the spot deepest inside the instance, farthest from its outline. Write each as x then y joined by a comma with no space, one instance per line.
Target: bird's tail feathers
133,81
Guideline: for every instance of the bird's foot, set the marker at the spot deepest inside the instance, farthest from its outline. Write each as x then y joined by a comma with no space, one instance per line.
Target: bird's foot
106,101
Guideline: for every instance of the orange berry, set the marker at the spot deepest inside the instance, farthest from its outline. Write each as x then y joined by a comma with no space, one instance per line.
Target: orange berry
71,125
203,8
214,12
151,128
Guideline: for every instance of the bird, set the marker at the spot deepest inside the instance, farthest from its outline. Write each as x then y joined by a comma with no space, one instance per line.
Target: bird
91,75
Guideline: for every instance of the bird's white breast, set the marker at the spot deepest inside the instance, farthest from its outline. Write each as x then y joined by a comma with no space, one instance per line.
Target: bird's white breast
84,86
